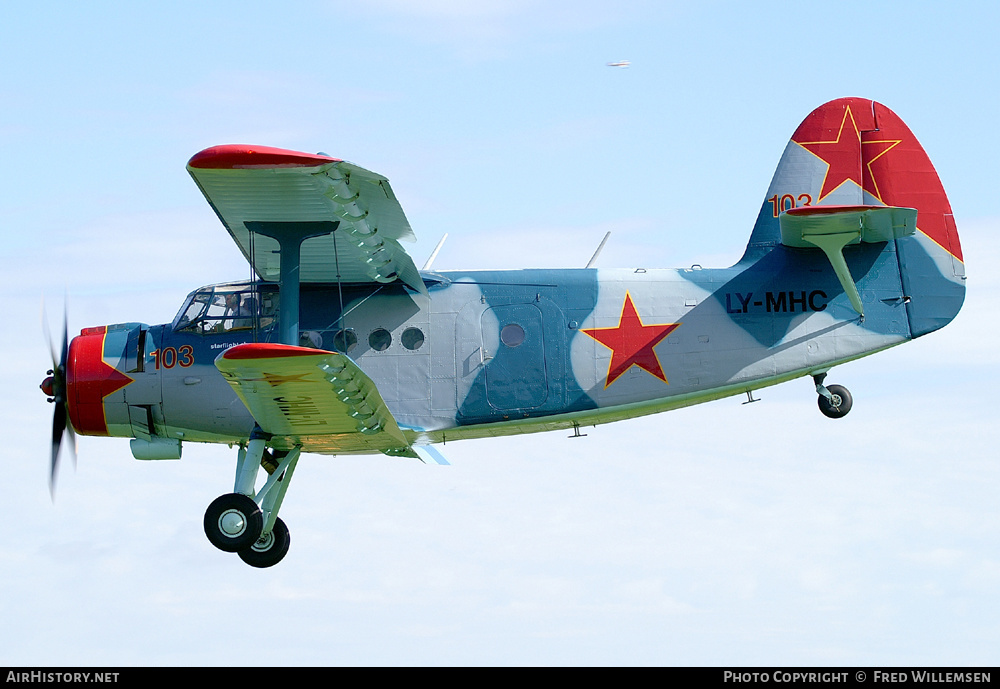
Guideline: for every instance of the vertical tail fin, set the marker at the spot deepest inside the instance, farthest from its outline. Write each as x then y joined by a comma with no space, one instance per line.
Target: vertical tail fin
856,152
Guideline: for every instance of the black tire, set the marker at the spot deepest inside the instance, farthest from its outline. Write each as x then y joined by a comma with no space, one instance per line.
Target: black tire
269,548
233,522
839,406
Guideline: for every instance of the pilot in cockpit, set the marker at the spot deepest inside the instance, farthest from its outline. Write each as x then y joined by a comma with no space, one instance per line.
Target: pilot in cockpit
239,310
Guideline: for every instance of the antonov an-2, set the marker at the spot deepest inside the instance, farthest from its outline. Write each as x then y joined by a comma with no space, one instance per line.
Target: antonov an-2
340,345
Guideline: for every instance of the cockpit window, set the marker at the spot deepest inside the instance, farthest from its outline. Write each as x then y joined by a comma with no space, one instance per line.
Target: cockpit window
226,308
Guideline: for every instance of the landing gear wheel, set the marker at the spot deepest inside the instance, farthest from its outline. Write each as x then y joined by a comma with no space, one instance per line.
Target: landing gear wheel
839,405
233,522
270,548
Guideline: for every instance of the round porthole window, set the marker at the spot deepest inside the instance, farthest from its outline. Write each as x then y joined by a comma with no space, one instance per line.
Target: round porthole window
412,338
512,335
345,340
380,339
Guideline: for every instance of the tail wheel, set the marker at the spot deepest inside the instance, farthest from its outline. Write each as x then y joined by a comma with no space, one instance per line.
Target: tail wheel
270,548
838,405
233,522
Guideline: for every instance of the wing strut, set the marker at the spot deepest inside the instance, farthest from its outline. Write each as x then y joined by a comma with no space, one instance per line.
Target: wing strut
290,236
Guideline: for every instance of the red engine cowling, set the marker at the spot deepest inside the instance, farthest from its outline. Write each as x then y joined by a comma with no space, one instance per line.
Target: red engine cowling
91,380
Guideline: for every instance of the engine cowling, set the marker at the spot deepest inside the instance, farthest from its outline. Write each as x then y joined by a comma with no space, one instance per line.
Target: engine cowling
95,377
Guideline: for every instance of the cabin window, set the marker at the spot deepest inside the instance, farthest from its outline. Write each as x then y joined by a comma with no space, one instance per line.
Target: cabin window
412,338
512,335
311,338
345,340
380,339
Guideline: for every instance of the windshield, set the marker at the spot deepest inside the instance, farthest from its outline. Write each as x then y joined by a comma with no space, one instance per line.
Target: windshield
226,308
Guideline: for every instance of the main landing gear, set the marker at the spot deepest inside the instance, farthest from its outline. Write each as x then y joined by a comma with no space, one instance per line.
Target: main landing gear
233,522
246,521
834,400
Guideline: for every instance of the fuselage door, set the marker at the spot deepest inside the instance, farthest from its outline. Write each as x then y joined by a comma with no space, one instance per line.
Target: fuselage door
514,349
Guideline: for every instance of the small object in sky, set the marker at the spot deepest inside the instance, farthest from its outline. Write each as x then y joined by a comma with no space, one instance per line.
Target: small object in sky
619,63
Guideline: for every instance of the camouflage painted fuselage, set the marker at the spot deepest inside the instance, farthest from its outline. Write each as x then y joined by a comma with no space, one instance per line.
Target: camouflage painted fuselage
497,352
756,324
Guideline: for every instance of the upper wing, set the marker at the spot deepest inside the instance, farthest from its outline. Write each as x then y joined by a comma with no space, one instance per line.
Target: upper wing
252,184
317,399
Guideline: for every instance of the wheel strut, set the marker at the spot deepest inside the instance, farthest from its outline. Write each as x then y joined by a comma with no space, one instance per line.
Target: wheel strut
246,520
820,388
834,401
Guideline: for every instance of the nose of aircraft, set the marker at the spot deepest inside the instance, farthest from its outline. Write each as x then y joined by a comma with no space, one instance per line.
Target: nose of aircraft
81,381
90,379
48,385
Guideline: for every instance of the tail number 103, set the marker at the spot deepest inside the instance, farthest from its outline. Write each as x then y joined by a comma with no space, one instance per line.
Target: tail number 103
168,357
786,202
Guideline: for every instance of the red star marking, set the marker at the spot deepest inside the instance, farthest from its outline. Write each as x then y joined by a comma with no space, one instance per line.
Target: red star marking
95,378
89,379
276,379
872,151
113,381
842,155
845,155
632,342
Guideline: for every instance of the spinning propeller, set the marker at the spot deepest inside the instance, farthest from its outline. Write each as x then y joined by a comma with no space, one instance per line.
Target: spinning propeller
54,386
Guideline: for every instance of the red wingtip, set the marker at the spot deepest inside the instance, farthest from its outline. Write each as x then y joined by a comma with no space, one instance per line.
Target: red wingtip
268,350
244,156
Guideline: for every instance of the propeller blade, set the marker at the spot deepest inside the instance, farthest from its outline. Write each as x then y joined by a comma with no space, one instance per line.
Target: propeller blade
60,418
58,427
65,344
72,440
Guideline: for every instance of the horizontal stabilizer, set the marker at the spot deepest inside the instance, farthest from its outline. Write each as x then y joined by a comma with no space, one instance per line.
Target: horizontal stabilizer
831,228
799,226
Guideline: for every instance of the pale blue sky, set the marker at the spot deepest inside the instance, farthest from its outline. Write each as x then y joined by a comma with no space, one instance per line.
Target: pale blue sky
721,534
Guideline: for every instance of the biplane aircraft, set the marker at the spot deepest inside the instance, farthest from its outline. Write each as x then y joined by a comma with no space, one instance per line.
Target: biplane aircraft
340,345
